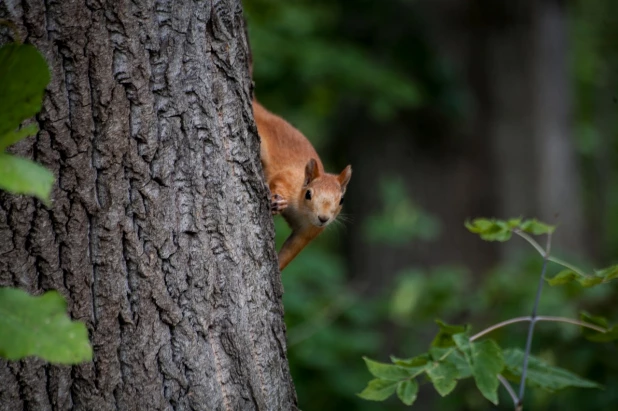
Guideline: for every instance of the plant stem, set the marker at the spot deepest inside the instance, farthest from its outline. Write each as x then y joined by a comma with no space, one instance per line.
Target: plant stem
567,265
499,325
533,319
538,248
531,240
571,321
509,389
446,354
538,318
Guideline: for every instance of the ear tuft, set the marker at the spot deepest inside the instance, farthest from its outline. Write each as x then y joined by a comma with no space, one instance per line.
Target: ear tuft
344,177
311,171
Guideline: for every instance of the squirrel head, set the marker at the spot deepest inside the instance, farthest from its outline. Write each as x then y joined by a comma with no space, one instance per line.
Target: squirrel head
322,194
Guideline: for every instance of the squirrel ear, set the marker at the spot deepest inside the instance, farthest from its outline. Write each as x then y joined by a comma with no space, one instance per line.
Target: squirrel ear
311,171
344,177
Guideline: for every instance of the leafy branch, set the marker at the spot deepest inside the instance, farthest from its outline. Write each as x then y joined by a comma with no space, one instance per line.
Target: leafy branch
23,78
30,326
499,230
456,354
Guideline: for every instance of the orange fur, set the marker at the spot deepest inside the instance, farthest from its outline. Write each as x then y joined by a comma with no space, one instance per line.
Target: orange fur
292,168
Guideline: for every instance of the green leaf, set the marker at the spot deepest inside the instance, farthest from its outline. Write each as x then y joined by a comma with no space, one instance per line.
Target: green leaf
445,335
479,225
459,361
386,371
599,277
513,222
21,176
14,136
23,78
490,230
542,375
455,357
608,274
610,335
563,277
407,391
418,361
486,362
414,365
536,227
39,326
499,230
378,390
443,375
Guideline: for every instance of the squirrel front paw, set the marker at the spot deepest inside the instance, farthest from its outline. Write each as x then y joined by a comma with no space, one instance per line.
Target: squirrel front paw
278,204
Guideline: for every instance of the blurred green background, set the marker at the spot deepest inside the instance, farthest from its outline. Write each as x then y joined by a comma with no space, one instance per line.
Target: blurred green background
447,110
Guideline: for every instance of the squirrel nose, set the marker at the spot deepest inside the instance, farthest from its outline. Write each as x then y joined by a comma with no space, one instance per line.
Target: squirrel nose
322,219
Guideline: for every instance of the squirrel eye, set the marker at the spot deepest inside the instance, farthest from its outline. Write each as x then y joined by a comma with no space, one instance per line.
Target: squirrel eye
341,201
308,195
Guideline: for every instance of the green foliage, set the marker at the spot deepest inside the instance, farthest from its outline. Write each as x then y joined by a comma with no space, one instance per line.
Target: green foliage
414,365
387,371
23,78
13,137
482,360
501,230
594,64
611,333
542,375
400,221
443,376
379,390
329,326
30,326
311,95
298,42
585,280
407,391
446,333
454,355
536,227
486,362
39,326
425,293
21,176
391,378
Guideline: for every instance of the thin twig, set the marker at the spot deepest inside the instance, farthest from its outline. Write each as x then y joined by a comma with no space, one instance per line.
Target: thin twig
531,240
538,318
509,389
567,265
553,259
571,321
499,325
533,320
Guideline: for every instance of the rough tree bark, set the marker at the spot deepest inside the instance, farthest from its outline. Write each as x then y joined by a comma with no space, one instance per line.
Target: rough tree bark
159,234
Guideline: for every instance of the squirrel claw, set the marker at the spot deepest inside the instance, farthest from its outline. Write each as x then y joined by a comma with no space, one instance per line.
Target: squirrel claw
278,204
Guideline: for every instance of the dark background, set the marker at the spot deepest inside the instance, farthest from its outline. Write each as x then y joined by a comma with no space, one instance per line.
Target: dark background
447,110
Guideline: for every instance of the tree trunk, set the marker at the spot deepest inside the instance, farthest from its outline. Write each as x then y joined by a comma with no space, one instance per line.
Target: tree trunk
159,233
559,185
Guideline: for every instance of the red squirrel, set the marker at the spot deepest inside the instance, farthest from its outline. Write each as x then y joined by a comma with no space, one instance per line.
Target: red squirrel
308,198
